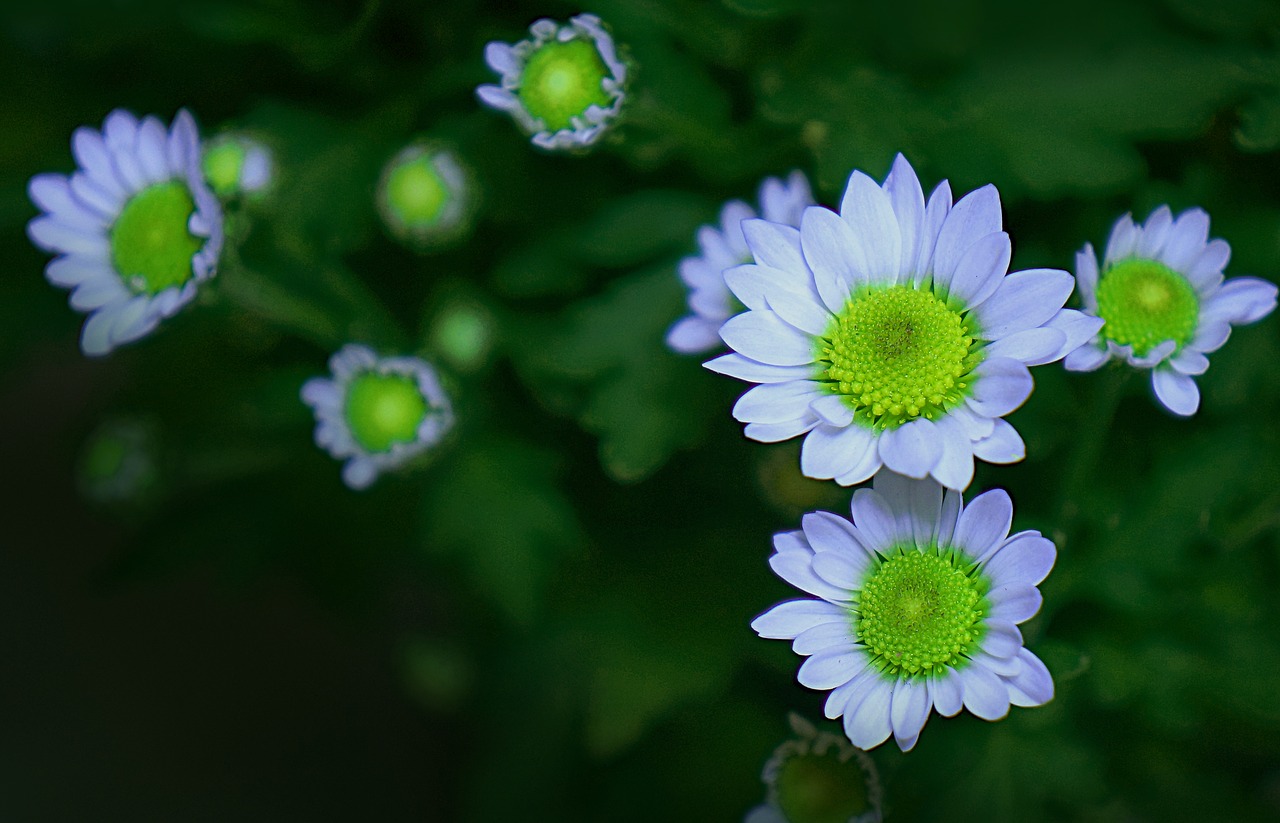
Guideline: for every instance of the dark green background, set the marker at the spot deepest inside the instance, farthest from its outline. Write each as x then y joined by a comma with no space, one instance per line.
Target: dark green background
550,622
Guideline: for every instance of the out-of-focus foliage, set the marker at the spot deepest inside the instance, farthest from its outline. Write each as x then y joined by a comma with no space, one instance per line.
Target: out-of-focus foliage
583,557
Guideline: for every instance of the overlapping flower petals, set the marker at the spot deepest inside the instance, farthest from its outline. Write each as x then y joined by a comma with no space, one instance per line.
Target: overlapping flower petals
829,558
885,236
1182,244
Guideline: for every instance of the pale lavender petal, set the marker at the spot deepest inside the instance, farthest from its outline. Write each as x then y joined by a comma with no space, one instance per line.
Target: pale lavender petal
1176,391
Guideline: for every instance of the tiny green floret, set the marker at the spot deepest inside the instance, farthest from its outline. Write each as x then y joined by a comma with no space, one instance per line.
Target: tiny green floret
821,788
1145,303
561,80
384,409
416,192
919,611
897,354
151,243
223,163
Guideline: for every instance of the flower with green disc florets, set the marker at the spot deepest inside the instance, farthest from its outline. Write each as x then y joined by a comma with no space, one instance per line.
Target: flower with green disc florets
565,85
1161,293
377,413
914,606
892,333
135,227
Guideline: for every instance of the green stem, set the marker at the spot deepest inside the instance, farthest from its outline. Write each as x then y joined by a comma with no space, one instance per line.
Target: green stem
1094,428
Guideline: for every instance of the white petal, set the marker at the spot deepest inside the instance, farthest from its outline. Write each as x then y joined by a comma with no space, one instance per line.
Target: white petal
1017,604
95,336
909,709
359,473
949,518
52,235
744,368
777,432
756,285
1032,347
775,245
844,569
984,693
876,520
1001,385
98,292
776,402
1024,300
1241,300
93,157
981,269
106,202
832,667
1002,639
1087,277
789,618
833,409
1210,336
1122,242
847,697
954,468
924,506
501,58
795,568
830,450
984,523
823,636
975,216
1086,358
1033,686
862,470
152,151
1176,391
907,199
866,209
73,270
1190,361
1155,233
1186,240
867,725
763,336
804,312
948,693
935,215
832,254
911,449
694,335
1004,445
496,97
1206,269
1078,328
184,153
1025,559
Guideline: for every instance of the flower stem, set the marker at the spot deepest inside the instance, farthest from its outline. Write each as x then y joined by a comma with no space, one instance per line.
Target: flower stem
1094,428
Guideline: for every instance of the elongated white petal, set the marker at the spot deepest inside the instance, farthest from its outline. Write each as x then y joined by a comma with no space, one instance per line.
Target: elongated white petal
909,709
791,617
984,523
1178,392
912,449
765,337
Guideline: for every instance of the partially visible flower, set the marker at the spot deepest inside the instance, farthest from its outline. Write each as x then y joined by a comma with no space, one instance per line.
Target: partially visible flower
463,333
915,606
818,778
891,334
565,85
426,196
377,413
118,462
237,164
723,247
135,227
1161,294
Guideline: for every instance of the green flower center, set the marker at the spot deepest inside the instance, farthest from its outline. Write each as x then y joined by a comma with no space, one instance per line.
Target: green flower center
1146,303
416,192
921,610
384,409
151,246
223,163
896,354
561,79
820,788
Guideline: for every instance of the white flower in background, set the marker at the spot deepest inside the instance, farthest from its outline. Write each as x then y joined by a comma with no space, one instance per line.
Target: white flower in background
425,195
135,228
723,247
237,164
818,776
119,462
565,84
915,606
1161,294
377,413
892,333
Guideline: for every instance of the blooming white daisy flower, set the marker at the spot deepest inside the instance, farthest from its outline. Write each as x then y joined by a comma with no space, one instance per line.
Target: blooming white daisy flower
1161,292
723,247
238,164
565,84
135,227
916,605
818,776
425,195
892,333
377,413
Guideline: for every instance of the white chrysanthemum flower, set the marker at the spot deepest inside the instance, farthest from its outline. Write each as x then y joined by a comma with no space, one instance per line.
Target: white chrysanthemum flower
135,227
425,195
1161,294
723,247
565,84
377,413
818,777
237,164
892,333
915,607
